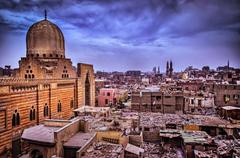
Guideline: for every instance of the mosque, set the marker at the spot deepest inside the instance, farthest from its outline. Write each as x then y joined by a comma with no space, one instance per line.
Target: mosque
45,86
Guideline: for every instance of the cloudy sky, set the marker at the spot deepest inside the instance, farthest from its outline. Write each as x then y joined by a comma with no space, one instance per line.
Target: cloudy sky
129,34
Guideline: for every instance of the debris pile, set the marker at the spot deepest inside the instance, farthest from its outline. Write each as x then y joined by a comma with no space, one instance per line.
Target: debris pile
103,150
227,146
205,154
151,150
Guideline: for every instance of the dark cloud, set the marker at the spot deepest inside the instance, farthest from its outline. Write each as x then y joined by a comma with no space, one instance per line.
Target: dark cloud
127,25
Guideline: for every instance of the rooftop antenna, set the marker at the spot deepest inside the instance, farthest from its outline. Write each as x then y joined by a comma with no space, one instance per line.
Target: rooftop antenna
45,14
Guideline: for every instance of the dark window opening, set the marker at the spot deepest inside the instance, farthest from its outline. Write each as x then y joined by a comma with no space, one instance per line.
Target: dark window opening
87,90
15,118
32,114
106,101
71,104
59,107
45,111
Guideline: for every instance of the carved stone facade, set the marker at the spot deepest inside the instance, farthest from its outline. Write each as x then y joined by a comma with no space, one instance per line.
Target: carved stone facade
46,86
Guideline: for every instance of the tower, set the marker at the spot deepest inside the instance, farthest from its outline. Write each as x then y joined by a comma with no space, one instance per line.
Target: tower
170,69
167,69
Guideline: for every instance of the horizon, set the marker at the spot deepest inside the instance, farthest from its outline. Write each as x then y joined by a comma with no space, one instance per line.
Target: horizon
130,35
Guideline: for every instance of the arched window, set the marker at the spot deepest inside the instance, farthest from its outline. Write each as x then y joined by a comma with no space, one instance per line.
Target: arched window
45,111
15,118
32,75
32,114
59,108
18,119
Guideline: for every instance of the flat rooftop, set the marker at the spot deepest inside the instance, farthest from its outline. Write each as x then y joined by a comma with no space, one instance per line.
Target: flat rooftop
195,137
79,140
40,133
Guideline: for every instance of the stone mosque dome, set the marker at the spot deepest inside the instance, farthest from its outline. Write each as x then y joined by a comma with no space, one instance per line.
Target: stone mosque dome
45,40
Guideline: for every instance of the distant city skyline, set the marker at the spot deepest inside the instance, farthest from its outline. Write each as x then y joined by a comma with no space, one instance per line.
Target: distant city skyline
130,35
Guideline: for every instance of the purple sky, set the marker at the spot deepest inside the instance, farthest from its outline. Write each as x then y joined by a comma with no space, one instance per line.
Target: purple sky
130,34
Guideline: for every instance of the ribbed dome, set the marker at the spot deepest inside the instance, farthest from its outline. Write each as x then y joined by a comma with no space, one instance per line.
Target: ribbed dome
45,40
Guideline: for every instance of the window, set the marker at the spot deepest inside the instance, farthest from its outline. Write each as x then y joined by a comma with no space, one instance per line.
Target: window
71,104
199,102
44,55
15,118
59,107
226,98
106,101
235,97
65,75
32,113
108,94
158,98
45,111
192,101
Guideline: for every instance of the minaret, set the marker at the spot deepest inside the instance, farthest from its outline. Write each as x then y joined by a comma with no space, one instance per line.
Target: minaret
45,14
167,69
171,69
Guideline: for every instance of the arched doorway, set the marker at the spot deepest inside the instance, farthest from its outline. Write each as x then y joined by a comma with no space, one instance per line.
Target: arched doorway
87,90
36,154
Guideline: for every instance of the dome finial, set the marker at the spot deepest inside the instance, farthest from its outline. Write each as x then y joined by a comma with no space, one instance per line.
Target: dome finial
45,13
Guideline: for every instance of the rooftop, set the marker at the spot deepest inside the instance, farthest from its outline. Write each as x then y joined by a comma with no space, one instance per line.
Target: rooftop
40,133
79,140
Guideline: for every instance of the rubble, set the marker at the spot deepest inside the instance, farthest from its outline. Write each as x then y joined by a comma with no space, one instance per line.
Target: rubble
104,150
205,154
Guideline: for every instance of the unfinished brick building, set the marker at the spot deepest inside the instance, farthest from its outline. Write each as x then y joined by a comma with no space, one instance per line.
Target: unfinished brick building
158,101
